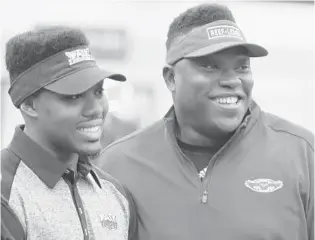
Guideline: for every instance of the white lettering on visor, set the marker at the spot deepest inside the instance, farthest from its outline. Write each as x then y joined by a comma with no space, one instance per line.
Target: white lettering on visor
79,55
224,31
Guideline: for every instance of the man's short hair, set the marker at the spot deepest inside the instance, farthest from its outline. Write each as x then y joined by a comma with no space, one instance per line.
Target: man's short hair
195,17
26,49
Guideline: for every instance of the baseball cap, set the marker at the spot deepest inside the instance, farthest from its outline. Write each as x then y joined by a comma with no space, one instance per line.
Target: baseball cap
68,72
212,38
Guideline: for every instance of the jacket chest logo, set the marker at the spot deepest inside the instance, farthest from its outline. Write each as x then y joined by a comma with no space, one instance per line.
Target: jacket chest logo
264,185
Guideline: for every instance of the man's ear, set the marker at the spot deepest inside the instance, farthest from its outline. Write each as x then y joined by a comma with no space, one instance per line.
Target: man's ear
169,78
28,107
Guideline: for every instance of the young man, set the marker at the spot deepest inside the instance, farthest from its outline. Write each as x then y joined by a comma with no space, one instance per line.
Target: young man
216,166
56,194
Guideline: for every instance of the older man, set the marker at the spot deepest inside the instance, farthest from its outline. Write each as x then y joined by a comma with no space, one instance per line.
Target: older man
216,166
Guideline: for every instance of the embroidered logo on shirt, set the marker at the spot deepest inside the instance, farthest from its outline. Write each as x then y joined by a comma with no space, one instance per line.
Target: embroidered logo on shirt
263,185
110,222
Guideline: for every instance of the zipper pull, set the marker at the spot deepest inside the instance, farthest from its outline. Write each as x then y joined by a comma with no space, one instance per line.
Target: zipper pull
204,197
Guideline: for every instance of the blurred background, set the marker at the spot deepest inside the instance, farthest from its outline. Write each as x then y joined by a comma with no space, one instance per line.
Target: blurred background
129,37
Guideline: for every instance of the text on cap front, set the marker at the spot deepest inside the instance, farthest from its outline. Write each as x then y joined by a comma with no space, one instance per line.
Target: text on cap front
224,31
79,55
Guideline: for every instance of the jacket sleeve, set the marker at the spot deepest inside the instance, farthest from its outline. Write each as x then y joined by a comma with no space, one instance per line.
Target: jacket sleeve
133,217
112,162
11,227
310,205
133,220
12,215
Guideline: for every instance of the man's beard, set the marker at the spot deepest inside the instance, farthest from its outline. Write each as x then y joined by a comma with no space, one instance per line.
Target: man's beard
93,156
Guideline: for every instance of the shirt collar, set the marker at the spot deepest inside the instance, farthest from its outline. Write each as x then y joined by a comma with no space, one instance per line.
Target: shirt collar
48,168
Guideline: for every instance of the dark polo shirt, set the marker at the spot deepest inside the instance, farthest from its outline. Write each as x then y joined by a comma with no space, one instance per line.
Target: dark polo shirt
52,202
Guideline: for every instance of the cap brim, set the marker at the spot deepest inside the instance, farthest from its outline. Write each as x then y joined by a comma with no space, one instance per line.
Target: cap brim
83,80
254,50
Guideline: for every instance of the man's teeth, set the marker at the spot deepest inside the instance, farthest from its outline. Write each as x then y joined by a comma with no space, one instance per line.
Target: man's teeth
91,129
227,100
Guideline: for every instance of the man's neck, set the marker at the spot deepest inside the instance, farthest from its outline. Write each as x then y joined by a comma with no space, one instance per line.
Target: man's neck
73,163
71,159
190,136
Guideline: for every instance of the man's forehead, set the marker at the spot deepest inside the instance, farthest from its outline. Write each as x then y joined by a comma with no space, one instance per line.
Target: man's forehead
96,86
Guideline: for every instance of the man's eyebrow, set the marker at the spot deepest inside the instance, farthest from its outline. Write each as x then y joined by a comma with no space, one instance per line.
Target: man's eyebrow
208,58
244,58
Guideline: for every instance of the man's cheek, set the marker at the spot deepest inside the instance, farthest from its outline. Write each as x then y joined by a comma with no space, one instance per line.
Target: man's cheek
248,85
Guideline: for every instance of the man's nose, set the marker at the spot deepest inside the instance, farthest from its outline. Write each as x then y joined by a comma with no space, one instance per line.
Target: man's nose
229,80
95,107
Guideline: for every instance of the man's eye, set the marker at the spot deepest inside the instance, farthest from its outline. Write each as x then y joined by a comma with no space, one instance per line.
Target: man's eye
211,67
99,92
206,64
73,97
244,68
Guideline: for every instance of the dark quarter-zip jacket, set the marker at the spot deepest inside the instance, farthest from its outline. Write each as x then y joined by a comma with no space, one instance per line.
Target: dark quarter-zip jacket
259,185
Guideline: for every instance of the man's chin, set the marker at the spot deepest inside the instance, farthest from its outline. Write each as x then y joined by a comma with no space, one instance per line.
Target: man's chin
91,149
229,125
93,156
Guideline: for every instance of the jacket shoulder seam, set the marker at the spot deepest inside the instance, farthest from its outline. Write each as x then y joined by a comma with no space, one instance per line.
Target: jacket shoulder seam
292,134
125,138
